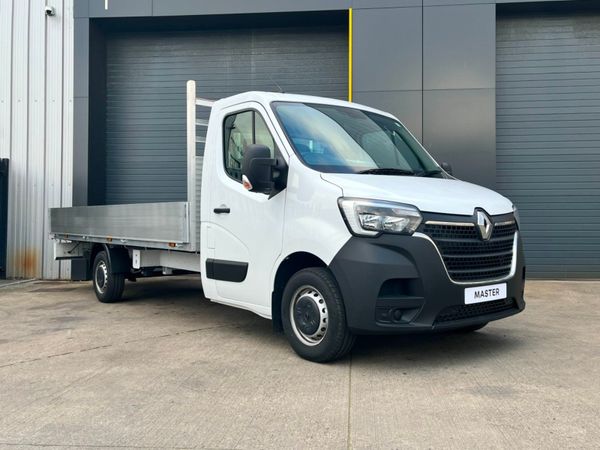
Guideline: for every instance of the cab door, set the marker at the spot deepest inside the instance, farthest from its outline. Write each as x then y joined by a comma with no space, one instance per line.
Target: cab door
248,226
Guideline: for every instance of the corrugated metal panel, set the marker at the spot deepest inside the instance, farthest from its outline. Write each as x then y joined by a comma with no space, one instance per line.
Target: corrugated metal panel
34,51
548,137
66,198
18,261
146,76
54,129
36,130
6,13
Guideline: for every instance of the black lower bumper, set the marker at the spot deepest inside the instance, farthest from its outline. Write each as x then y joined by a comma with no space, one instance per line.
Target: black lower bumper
397,284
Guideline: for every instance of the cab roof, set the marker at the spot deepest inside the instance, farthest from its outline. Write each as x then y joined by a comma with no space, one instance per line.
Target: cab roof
265,98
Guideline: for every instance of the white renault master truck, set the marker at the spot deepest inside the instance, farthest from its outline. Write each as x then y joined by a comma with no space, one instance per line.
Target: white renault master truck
325,216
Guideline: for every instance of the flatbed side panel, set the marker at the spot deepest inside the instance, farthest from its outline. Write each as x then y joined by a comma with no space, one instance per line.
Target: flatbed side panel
148,222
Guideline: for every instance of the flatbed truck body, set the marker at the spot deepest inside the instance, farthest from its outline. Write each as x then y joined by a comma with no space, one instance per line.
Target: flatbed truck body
325,216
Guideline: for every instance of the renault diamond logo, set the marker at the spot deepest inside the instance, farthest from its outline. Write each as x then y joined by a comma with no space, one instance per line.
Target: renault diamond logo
485,225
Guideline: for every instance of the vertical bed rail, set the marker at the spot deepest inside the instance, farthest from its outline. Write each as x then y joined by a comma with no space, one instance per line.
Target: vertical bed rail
195,158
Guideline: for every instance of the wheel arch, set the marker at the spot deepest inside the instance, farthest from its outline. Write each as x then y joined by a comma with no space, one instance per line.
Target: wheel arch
118,258
290,265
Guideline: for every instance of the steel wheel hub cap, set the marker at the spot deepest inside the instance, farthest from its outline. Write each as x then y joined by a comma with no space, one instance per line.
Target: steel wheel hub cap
308,315
101,276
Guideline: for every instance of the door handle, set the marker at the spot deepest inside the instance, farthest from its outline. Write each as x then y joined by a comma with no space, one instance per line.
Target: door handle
222,210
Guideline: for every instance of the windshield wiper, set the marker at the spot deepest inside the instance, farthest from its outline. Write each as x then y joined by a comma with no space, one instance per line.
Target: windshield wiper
386,171
428,173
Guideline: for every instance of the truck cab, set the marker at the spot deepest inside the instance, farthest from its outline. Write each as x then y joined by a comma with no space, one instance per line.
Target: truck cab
331,219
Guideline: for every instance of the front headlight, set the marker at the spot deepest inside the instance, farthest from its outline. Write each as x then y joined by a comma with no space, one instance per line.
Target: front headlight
371,217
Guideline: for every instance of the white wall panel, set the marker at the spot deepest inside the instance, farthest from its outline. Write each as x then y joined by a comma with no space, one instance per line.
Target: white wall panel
34,213
36,130
67,115
6,11
17,257
53,129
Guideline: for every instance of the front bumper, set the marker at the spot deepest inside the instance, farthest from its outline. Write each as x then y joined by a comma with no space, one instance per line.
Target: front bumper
397,284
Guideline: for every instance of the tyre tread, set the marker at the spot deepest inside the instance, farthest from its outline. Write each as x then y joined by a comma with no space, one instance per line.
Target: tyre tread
116,284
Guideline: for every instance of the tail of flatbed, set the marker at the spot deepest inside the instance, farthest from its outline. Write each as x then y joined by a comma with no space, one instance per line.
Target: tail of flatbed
159,226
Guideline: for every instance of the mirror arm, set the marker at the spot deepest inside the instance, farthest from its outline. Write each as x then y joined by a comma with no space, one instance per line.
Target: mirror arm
279,173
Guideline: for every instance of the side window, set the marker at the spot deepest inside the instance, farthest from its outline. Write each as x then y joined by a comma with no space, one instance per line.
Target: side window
262,135
239,131
238,135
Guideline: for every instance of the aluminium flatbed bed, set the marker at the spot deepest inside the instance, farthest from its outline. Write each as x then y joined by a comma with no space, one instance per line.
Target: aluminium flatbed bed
159,233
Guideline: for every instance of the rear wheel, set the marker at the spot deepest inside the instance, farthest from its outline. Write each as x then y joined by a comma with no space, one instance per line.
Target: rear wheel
108,286
314,318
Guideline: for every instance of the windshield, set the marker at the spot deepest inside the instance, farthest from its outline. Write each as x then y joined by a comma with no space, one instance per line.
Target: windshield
347,140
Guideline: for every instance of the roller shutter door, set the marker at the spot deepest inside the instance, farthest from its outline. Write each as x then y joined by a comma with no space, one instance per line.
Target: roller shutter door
145,104
548,137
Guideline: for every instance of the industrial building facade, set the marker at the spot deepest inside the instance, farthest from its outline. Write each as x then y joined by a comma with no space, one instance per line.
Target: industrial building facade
92,96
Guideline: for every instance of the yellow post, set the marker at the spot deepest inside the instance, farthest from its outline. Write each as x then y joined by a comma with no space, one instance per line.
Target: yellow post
350,55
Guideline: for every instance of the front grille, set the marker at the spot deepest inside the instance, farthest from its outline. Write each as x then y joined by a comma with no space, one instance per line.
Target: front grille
460,312
469,258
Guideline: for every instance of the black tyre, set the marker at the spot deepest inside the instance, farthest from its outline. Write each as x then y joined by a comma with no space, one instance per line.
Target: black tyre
471,328
108,286
314,318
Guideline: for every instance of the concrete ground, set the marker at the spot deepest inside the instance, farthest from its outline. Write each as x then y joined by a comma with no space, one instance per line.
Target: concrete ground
167,368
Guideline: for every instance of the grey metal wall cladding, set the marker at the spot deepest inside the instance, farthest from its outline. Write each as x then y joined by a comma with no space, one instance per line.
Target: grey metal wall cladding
146,75
548,137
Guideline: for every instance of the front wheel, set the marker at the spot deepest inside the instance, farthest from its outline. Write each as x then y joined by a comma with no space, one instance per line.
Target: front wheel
314,318
108,286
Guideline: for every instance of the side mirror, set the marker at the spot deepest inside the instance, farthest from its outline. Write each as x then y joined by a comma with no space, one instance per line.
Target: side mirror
447,167
260,172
